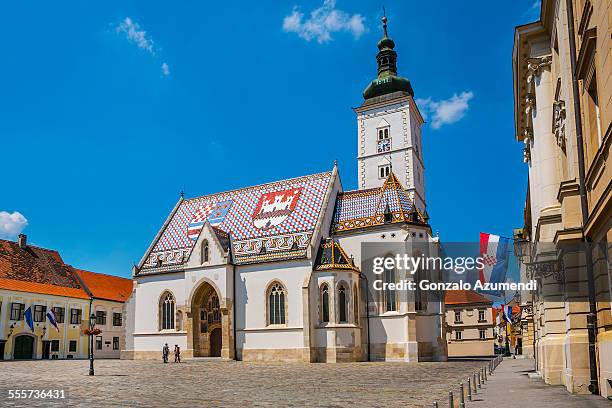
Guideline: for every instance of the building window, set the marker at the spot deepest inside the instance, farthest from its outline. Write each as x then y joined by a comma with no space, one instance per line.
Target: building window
482,334
355,304
276,304
101,317
384,171
117,319
39,313
115,343
458,335
59,314
98,342
167,312
75,316
383,140
457,316
204,254
342,305
72,346
54,345
17,310
324,296
481,316
390,299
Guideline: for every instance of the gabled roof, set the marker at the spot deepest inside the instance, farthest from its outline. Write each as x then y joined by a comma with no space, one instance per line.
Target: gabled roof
375,206
332,256
37,270
464,297
106,287
268,222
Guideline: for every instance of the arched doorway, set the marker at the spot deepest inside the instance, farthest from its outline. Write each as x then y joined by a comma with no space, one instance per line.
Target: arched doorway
24,347
206,312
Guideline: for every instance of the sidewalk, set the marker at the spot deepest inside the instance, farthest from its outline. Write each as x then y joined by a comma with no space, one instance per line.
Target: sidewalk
510,384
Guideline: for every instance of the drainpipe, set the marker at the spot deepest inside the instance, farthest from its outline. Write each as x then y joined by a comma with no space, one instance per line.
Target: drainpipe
592,316
234,303
362,276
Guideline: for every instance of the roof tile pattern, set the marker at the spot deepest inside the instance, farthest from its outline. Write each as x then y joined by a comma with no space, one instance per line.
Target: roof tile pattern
366,208
267,222
461,297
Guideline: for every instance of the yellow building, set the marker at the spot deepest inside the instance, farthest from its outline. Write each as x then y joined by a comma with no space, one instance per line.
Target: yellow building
469,324
38,279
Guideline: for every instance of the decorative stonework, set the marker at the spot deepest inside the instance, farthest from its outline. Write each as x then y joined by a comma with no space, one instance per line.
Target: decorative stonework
527,138
558,126
530,102
535,65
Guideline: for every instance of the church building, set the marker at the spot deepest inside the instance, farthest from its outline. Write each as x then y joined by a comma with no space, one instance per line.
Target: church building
274,272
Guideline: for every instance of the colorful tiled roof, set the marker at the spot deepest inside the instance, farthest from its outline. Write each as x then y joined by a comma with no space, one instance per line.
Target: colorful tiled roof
460,297
39,270
332,256
375,206
268,222
106,287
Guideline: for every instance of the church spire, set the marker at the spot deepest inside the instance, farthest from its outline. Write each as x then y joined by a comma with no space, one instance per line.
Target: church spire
387,80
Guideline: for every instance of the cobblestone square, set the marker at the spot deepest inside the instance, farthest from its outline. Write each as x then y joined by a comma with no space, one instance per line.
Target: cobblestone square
216,383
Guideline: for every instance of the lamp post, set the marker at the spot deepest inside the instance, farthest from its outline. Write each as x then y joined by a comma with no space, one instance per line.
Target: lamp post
92,325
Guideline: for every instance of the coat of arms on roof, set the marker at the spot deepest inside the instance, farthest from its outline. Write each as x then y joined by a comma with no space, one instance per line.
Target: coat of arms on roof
275,207
215,213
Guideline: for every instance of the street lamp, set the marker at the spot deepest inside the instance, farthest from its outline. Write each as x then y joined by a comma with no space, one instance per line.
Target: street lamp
92,325
522,246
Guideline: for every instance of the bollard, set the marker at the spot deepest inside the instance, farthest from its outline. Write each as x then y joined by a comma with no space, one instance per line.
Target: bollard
435,404
475,391
479,380
461,396
469,384
484,371
451,403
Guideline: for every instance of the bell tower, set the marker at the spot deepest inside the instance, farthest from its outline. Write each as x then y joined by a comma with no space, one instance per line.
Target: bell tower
389,128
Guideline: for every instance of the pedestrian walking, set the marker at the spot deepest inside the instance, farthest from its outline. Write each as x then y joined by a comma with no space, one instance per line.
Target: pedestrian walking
165,352
177,353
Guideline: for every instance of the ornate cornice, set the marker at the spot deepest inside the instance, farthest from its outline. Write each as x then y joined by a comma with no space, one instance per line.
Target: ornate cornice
535,65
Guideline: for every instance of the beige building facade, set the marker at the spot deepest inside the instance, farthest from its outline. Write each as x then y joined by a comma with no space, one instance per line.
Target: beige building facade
562,67
469,324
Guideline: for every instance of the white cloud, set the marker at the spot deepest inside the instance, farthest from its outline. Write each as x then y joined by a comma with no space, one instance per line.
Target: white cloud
11,224
323,22
134,34
165,69
446,111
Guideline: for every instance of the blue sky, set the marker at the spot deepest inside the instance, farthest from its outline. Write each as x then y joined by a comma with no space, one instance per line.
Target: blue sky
109,110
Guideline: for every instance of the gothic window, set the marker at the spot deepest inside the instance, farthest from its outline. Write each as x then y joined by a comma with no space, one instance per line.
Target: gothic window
383,140
355,305
276,304
204,249
324,302
390,296
166,306
384,171
342,304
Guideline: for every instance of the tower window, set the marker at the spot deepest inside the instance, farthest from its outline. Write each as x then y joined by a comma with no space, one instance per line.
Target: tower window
384,171
383,140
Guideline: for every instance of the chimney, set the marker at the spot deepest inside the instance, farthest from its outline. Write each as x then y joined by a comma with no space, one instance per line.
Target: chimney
23,241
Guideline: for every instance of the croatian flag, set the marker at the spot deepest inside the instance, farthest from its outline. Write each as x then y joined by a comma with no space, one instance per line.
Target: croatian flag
494,254
52,319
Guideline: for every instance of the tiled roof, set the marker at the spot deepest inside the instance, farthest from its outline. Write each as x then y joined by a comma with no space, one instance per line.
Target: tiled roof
367,208
106,286
43,288
40,270
267,222
460,297
332,256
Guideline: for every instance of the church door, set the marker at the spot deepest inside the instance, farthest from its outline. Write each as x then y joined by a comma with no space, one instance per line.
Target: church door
215,342
24,348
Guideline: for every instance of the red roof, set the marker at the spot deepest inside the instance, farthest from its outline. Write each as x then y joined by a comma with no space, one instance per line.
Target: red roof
39,270
106,286
460,297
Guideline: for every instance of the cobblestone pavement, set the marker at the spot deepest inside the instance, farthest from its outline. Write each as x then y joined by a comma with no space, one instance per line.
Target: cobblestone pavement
511,383
216,383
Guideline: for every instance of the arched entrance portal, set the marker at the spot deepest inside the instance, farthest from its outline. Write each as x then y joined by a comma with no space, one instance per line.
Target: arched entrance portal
24,347
206,312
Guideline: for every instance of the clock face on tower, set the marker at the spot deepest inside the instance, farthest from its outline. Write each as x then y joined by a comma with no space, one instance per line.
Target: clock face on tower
384,145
